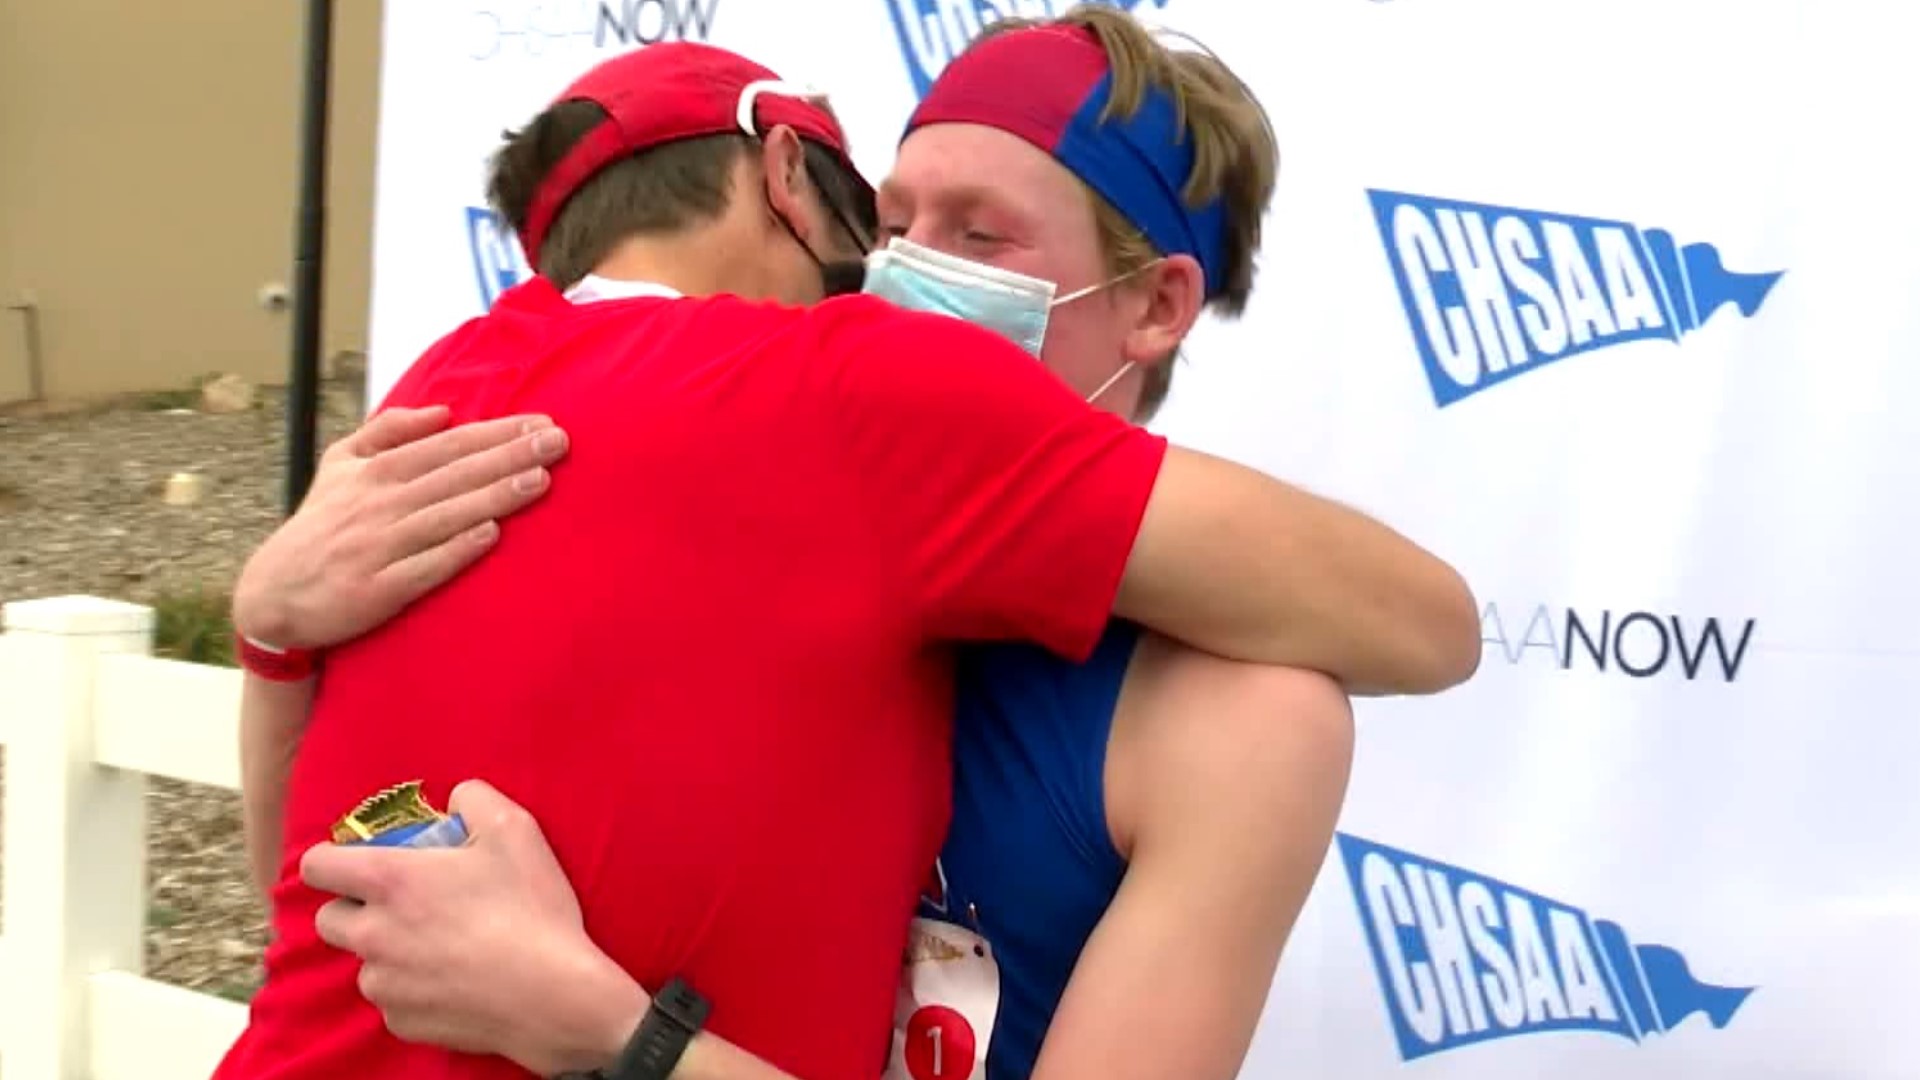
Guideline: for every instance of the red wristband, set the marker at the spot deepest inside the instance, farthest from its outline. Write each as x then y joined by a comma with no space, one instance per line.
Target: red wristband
275,665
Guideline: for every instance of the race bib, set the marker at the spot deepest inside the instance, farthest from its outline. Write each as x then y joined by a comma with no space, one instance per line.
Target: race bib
943,1014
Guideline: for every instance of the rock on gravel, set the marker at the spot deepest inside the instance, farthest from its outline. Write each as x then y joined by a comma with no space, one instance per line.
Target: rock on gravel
80,512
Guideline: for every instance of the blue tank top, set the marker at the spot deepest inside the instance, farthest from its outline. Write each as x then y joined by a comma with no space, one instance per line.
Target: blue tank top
1029,862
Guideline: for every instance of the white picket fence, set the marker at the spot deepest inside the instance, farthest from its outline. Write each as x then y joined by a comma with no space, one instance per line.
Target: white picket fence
86,715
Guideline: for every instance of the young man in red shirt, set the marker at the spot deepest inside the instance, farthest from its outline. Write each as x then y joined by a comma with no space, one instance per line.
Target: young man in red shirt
713,656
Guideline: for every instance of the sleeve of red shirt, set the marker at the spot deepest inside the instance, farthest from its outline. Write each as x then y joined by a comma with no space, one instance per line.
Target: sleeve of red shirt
1012,504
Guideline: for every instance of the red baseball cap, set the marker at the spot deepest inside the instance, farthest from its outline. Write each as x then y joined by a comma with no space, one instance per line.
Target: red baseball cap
671,91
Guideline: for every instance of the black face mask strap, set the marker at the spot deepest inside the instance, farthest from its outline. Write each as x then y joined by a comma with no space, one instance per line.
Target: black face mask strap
843,277
840,217
837,278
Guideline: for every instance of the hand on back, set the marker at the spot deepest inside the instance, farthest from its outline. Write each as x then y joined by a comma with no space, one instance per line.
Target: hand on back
397,509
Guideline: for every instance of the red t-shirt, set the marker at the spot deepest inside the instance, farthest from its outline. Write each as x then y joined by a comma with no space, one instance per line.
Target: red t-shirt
710,661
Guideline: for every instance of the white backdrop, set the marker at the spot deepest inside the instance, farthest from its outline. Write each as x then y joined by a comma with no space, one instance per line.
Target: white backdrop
1678,483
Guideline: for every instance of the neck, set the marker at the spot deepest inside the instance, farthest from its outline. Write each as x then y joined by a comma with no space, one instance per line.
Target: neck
694,263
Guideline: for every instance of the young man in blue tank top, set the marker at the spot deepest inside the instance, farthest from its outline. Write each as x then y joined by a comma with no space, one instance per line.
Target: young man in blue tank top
1132,837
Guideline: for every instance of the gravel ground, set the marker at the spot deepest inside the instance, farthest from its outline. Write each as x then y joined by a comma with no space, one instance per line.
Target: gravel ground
80,512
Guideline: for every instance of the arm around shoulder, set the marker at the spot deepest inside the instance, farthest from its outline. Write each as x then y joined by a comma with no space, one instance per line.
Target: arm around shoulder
1016,510
1237,563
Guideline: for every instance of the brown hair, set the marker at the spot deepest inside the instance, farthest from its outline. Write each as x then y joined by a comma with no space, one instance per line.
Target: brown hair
1235,156
663,190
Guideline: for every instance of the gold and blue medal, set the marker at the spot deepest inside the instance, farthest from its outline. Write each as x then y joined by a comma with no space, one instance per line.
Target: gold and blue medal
400,816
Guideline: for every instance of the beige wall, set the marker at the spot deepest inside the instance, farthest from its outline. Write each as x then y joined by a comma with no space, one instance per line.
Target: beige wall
149,166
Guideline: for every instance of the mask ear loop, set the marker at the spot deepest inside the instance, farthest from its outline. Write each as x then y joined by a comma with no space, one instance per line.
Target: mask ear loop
1089,290
1108,385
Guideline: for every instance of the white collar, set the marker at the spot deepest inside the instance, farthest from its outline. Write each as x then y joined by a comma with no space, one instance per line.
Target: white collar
593,287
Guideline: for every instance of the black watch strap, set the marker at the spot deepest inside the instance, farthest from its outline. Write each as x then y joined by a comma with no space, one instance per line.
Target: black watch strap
676,1016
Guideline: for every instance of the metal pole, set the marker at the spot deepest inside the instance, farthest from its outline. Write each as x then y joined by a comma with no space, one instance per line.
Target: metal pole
303,378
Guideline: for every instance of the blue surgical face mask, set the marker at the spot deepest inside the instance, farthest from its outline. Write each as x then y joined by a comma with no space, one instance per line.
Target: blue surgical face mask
1013,305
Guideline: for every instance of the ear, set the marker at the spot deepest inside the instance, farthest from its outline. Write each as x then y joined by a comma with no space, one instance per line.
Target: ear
1174,290
784,170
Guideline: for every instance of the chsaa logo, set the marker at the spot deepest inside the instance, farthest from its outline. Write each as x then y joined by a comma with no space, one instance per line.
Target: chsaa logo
498,264
1464,959
933,32
532,28
1495,292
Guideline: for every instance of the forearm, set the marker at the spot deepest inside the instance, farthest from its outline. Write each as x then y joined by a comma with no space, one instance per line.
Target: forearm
611,1006
272,716
710,1057
1249,568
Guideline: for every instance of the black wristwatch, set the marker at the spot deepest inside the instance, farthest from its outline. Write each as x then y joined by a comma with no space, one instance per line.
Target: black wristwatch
675,1017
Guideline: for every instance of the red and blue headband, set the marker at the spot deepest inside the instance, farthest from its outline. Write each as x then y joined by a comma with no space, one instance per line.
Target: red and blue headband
1049,86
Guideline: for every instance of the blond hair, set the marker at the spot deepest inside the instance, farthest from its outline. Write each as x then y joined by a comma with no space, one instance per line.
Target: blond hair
1235,156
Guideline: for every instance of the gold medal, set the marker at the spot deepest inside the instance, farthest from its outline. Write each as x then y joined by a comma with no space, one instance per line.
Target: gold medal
394,808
